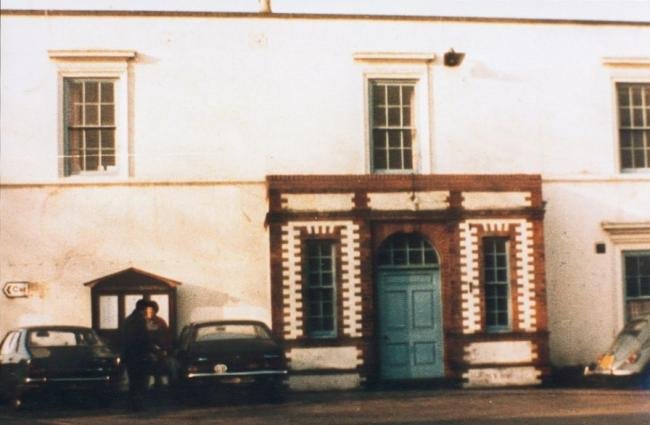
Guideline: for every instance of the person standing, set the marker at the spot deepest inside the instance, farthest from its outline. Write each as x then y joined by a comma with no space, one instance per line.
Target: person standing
137,354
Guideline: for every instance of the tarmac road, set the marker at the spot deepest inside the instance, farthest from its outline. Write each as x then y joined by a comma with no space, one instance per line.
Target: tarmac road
409,407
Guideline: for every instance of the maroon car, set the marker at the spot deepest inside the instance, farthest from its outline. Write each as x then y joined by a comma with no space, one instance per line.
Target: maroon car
56,358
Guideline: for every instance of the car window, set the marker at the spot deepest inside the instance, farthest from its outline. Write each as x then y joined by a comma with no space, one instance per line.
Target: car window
231,331
61,338
10,343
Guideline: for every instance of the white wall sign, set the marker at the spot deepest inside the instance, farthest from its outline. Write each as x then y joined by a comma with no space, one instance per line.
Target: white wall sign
16,289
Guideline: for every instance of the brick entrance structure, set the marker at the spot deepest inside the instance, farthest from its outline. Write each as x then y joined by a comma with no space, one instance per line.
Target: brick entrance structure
455,213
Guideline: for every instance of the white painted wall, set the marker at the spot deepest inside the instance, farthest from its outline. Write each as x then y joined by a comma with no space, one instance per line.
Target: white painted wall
585,290
227,100
210,238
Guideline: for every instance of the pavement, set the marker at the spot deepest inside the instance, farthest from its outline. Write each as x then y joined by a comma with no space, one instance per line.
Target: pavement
529,406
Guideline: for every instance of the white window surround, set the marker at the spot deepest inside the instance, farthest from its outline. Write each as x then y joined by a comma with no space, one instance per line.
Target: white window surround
625,236
401,66
624,70
108,64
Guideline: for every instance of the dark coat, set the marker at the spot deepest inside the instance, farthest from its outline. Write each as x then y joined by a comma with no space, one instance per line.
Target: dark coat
136,341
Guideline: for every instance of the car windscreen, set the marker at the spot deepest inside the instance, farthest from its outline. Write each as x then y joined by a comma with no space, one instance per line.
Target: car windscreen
230,331
61,338
635,327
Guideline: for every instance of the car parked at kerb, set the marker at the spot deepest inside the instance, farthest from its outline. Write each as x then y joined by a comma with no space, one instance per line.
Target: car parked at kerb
214,357
57,358
628,358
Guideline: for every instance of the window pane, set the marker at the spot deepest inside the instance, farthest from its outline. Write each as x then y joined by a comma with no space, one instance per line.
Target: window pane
406,138
379,94
626,158
92,91
326,279
163,305
379,117
394,139
626,139
624,116
408,159
380,139
107,92
644,288
408,95
77,117
430,257
644,265
328,323
92,115
399,257
393,95
623,98
394,117
406,116
108,115
108,312
415,256
395,159
92,139
108,158
636,95
637,113
108,139
130,301
75,91
380,159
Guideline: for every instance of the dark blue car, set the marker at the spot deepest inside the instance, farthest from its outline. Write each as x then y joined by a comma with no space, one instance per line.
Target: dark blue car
56,358
217,356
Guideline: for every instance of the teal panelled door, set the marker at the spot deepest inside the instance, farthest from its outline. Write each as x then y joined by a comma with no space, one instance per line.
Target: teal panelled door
410,324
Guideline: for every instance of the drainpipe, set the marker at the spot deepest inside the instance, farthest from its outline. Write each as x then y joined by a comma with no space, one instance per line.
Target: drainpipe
265,6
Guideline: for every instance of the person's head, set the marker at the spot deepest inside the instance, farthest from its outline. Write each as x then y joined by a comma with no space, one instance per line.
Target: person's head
151,309
141,305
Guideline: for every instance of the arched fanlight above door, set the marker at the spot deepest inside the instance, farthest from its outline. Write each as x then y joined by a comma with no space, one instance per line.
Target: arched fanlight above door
407,250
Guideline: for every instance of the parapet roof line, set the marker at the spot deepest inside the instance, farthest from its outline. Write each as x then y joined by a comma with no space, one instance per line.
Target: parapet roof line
316,16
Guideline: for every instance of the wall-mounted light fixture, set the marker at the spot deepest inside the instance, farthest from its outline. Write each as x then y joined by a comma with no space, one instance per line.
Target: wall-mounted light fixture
453,58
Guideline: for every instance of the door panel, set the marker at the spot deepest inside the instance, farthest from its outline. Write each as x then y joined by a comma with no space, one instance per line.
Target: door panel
424,353
423,308
410,324
397,354
396,310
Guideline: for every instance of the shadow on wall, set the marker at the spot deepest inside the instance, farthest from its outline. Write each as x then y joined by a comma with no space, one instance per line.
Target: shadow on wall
198,303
